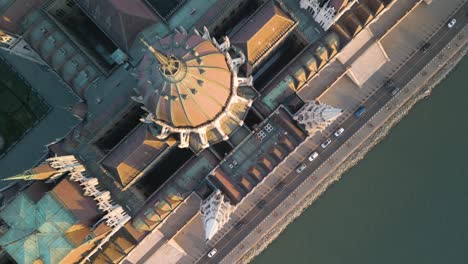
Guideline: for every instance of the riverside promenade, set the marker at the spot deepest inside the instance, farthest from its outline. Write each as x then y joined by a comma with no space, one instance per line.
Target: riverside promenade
415,74
349,154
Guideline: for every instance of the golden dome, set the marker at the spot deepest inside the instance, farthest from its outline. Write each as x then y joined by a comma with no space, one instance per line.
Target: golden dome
190,85
184,80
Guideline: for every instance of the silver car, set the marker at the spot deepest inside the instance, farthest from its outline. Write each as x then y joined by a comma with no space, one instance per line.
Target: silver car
313,156
326,143
212,252
301,168
339,132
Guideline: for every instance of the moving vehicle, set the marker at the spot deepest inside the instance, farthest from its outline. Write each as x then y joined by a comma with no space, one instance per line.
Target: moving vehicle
395,91
325,143
339,132
239,225
425,47
261,204
389,84
280,186
313,156
360,111
212,252
452,23
301,168
392,87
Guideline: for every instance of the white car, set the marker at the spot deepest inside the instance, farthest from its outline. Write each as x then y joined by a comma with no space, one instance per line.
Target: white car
301,168
395,91
326,143
313,156
452,23
339,132
212,252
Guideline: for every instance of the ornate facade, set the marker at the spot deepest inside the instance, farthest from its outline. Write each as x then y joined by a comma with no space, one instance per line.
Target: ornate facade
325,13
50,227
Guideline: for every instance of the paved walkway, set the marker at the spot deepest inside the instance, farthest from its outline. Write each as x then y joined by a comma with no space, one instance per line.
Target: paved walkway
314,183
30,150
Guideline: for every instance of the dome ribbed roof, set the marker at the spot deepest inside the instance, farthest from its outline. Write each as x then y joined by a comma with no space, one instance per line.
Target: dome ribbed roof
194,86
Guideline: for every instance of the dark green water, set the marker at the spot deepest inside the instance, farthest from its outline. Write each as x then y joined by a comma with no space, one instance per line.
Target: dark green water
406,202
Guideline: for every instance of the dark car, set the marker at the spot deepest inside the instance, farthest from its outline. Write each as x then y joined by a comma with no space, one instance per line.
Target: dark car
262,204
239,225
425,47
280,186
389,84
360,111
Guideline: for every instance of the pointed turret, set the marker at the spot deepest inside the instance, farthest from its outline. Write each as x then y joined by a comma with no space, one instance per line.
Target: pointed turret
316,116
50,169
216,211
41,172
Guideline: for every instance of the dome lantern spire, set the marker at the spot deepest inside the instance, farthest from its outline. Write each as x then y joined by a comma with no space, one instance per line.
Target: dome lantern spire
163,60
171,67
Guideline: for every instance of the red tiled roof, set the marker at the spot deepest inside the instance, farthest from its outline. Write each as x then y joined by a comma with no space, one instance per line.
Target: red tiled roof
262,30
37,190
227,186
70,194
133,155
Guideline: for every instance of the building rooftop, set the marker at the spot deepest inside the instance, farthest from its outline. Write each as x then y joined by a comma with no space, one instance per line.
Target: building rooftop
262,31
84,208
191,13
62,54
49,229
13,13
37,231
122,20
133,155
257,155
176,189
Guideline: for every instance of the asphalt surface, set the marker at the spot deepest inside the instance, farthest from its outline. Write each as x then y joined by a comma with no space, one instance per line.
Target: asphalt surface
373,104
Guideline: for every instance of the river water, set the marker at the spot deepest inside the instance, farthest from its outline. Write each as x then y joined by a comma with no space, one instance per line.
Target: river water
406,202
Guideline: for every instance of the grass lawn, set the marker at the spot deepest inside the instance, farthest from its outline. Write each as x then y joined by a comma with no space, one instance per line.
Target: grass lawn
20,107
